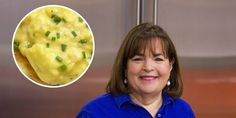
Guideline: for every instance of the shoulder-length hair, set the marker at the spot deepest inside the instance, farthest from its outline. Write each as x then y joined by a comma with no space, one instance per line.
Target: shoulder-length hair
136,40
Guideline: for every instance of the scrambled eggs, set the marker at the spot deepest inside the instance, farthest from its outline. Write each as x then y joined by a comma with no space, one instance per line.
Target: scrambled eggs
53,45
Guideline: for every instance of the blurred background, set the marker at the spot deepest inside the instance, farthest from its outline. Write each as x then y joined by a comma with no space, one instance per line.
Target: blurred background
203,31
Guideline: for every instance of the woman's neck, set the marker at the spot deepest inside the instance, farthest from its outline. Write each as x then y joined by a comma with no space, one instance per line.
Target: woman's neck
151,103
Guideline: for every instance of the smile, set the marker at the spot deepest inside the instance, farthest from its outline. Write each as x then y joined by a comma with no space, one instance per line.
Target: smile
148,77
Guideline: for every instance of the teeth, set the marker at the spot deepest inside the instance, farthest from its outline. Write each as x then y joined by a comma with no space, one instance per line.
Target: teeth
148,78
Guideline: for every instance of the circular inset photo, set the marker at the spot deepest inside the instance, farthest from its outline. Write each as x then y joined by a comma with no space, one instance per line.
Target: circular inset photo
53,46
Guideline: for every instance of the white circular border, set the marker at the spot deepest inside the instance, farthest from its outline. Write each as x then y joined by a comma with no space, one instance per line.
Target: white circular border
52,86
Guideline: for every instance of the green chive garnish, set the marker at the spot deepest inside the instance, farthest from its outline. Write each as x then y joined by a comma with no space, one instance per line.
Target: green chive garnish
74,33
47,33
16,45
59,59
83,41
29,45
63,47
56,19
84,55
53,16
63,67
58,35
53,38
47,45
64,20
80,19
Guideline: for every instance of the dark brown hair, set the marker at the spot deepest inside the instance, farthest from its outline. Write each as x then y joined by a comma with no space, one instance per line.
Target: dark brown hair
136,40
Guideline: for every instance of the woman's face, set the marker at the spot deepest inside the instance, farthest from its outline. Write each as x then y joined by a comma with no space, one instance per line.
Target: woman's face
148,71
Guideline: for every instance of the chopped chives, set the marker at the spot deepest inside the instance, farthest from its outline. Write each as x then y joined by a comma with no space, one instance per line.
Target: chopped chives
53,15
59,59
58,35
80,19
56,19
47,33
83,41
16,45
74,33
84,55
53,38
64,20
29,45
63,67
63,47
47,45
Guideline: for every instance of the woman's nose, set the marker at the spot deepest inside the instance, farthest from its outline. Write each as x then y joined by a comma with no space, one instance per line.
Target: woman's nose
148,66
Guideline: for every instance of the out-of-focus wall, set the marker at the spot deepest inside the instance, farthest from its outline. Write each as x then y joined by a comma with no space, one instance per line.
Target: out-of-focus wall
200,28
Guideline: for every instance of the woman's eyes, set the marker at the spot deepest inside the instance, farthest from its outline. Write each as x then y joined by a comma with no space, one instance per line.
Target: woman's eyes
141,59
159,59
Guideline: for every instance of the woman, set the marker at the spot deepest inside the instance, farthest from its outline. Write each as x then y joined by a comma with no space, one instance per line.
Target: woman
145,80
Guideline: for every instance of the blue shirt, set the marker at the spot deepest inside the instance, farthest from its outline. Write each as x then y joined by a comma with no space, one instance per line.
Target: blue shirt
110,106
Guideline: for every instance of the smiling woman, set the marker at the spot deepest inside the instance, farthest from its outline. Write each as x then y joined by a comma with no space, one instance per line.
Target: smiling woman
48,48
145,81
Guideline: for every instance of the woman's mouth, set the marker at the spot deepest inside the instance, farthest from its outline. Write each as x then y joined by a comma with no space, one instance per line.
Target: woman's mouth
148,77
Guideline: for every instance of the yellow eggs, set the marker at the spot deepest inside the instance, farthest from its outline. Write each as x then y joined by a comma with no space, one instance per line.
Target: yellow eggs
53,45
